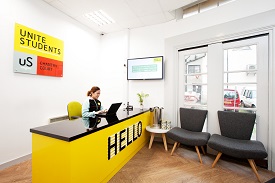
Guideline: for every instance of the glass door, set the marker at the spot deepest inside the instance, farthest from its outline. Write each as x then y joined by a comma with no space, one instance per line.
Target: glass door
193,79
236,71
246,81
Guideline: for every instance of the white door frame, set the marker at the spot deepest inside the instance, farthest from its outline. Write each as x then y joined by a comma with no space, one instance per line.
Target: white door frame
217,85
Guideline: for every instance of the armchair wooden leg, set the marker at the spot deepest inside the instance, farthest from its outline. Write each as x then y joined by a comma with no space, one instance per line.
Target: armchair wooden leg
254,168
255,165
202,150
217,159
198,152
174,147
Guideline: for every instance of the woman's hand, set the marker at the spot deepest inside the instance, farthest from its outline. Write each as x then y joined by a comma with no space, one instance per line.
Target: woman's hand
98,112
102,111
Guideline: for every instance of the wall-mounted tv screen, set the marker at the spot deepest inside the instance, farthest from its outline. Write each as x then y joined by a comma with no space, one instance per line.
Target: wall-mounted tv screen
146,68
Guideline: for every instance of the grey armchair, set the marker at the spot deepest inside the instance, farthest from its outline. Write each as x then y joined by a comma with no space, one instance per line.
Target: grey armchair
190,133
236,129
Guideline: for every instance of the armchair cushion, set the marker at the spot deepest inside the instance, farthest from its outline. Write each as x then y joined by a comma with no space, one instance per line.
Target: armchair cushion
188,137
248,149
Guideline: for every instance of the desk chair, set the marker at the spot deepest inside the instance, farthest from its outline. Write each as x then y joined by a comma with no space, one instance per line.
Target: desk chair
74,109
236,129
190,133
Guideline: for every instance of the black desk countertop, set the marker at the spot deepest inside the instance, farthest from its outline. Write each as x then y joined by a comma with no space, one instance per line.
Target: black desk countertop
72,130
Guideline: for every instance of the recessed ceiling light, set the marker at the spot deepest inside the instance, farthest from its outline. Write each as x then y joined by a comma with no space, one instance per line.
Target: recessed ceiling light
99,17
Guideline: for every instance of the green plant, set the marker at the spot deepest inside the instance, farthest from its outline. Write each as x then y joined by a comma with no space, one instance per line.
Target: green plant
141,97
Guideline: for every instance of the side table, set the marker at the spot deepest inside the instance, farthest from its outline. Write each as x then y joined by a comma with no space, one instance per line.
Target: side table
153,131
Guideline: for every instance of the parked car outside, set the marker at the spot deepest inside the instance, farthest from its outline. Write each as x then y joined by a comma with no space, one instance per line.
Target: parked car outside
249,98
231,98
191,97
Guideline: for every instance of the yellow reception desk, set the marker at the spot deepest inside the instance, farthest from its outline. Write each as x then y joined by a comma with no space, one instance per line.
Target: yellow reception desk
65,152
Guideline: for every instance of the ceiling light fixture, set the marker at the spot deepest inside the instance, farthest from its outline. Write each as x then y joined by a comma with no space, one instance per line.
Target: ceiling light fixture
99,17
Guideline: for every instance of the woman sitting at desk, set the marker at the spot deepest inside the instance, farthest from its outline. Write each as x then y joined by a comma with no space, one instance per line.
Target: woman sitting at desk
91,106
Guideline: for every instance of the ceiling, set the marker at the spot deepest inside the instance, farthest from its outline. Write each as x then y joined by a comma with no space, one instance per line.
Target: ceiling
127,14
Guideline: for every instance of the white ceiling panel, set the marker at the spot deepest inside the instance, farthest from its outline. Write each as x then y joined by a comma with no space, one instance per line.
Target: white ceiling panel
62,7
144,7
126,13
129,24
48,1
153,19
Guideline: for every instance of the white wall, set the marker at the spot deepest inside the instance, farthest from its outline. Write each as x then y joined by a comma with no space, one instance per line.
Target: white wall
28,101
146,43
149,41
207,27
112,73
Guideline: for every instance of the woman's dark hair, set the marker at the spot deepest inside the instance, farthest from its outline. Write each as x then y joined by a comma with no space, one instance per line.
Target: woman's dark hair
94,89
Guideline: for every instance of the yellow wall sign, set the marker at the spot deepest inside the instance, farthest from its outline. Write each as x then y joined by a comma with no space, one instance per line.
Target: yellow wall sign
37,53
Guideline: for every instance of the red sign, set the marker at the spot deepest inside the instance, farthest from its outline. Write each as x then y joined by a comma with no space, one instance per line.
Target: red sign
49,67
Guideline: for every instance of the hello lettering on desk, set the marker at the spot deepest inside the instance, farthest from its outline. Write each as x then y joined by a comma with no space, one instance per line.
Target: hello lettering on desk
122,139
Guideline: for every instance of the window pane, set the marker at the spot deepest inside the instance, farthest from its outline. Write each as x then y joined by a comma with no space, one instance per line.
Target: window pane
195,93
242,58
240,77
240,80
194,69
198,78
196,63
190,11
222,2
208,5
240,98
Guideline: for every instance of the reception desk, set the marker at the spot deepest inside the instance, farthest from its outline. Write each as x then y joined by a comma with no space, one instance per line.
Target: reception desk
66,152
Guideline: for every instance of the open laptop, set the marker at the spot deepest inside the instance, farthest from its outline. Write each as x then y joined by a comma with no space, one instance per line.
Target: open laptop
111,111
112,119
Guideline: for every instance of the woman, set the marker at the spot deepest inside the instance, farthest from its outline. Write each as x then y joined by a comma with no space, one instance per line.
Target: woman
91,106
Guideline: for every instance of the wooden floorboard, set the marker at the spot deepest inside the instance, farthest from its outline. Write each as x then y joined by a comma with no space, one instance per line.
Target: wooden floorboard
20,173
157,165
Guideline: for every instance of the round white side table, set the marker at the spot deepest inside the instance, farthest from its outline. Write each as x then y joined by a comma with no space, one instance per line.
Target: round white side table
153,131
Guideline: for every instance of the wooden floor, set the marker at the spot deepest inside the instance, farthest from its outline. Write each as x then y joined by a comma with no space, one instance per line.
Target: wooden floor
156,165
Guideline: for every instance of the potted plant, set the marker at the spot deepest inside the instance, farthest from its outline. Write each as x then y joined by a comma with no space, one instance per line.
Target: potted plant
141,97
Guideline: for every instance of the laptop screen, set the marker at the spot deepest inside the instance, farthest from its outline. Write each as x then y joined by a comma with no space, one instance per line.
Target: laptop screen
112,110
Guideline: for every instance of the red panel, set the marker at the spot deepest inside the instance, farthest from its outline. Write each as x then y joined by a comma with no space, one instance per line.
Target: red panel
49,67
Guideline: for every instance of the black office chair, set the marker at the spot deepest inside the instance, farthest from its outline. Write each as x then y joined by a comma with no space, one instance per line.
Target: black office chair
190,133
236,129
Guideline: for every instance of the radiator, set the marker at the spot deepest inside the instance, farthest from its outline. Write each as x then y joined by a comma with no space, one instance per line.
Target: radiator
58,119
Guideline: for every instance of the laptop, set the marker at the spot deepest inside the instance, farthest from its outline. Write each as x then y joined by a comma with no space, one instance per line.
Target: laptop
111,119
111,111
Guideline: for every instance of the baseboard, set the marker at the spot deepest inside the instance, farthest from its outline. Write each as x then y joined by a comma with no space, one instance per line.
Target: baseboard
15,161
58,119
158,138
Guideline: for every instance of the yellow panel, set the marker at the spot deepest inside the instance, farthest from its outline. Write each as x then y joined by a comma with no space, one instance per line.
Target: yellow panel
85,160
50,160
92,163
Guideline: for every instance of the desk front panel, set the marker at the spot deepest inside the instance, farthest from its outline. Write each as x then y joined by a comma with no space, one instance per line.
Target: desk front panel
96,157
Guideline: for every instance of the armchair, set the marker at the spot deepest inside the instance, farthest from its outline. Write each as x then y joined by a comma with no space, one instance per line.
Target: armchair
190,133
236,129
